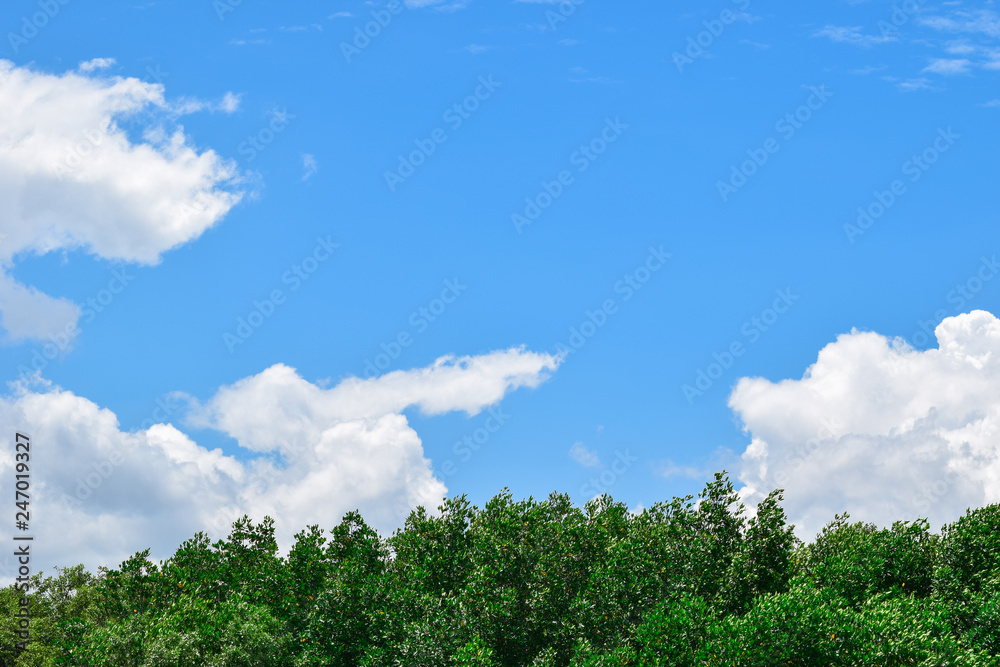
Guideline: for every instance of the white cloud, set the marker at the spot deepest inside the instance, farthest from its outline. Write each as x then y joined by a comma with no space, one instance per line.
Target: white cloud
476,49
911,85
247,409
230,103
852,35
586,457
71,177
948,66
869,69
983,22
669,469
96,64
309,166
879,429
27,313
440,5
960,48
100,493
980,28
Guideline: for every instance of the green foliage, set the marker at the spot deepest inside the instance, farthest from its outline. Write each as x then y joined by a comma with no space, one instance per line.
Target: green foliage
969,553
691,582
347,611
859,561
803,626
983,609
675,632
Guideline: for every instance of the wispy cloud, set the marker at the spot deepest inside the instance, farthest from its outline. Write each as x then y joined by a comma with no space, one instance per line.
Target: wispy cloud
983,21
870,69
588,458
581,75
948,66
230,103
96,64
911,85
852,35
440,5
671,470
301,28
960,48
309,166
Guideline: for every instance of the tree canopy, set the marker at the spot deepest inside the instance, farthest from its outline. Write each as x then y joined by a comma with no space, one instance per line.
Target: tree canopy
688,582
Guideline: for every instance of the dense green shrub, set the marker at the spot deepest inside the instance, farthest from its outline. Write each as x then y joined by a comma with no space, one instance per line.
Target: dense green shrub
859,560
691,582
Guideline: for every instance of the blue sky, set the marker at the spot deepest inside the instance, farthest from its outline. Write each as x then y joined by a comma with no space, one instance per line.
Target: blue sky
738,137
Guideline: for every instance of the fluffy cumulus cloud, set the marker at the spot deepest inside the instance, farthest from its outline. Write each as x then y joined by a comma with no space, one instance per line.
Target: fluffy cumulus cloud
880,430
116,178
307,455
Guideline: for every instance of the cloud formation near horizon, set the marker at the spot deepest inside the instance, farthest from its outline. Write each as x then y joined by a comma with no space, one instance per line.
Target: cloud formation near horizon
307,456
880,430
